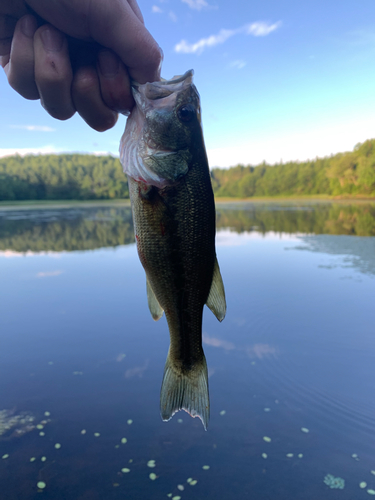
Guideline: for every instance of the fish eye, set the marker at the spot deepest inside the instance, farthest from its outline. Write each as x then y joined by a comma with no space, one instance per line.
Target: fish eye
186,113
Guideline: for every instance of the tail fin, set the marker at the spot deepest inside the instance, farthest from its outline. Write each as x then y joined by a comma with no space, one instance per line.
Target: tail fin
185,391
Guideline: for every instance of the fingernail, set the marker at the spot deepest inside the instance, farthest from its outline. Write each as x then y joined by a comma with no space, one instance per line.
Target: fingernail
52,39
109,63
28,26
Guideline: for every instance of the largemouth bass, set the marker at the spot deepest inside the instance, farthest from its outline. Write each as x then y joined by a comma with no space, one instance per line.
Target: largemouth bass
164,157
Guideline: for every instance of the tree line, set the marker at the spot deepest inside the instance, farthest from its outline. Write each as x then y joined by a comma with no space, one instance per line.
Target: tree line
89,177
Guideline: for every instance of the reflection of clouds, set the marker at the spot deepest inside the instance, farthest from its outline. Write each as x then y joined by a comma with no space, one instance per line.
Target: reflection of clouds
138,371
9,254
49,273
226,237
261,351
213,341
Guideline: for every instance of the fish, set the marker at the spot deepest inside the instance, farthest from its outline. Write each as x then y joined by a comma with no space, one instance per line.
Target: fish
163,155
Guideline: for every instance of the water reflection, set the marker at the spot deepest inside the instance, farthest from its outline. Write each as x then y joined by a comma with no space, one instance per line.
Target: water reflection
55,230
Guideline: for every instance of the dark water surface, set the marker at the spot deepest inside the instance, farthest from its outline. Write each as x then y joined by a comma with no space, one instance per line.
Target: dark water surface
294,360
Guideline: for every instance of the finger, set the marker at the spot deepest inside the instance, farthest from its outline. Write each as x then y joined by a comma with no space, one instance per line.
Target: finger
7,26
53,72
137,11
122,31
21,68
88,100
114,82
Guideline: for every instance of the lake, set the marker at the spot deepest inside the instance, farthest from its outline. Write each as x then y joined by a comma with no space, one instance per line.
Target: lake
291,368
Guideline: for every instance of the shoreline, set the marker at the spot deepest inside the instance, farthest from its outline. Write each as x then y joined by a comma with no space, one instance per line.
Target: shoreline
39,204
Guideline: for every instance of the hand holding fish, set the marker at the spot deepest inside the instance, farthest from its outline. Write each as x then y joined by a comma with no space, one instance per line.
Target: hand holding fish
77,56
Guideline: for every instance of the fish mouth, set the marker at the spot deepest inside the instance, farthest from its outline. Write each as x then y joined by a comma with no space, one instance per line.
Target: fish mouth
155,91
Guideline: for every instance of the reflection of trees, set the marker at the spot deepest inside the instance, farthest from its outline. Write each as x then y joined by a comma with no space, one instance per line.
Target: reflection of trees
355,219
69,230
90,228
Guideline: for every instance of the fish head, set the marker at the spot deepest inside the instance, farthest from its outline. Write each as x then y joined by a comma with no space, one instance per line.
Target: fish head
161,131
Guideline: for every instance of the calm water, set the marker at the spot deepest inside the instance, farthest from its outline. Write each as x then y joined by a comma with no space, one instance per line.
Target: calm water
296,351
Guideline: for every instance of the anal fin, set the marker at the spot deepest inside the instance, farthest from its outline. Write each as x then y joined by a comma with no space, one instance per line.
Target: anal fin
216,298
155,308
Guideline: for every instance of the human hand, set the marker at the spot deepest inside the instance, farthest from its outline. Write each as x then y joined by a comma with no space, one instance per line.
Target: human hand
77,55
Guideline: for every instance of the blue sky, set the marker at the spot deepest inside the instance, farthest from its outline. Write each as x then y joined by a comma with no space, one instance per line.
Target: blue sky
279,80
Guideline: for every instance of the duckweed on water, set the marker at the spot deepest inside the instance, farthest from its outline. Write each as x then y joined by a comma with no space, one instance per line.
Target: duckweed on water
305,430
43,459
32,459
151,463
264,455
57,446
124,441
193,482
40,426
152,476
362,484
267,439
41,433
41,485
180,420
83,431
5,456
189,480
205,467
96,434
334,482
371,492
223,412
180,487
47,414
290,455
373,472
300,455
176,498
125,470
267,409
130,421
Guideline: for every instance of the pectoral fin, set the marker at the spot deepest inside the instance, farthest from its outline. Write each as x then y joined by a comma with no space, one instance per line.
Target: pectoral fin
216,298
155,309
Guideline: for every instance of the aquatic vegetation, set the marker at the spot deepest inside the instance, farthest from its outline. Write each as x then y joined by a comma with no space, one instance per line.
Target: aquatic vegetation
125,470
152,476
124,440
205,467
223,412
267,439
57,446
371,492
363,484
41,485
264,455
6,455
334,482
151,463
305,429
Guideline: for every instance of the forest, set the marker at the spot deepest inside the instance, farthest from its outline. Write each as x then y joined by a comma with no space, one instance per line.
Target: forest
90,177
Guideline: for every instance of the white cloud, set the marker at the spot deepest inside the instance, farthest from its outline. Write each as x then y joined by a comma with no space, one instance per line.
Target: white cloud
262,29
34,128
254,29
301,146
49,273
28,151
196,4
156,9
172,16
238,64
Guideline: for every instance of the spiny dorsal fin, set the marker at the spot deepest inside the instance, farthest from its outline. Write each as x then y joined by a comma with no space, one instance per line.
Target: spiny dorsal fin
216,298
155,309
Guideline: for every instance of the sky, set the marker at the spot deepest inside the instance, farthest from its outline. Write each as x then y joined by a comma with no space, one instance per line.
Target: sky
279,80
